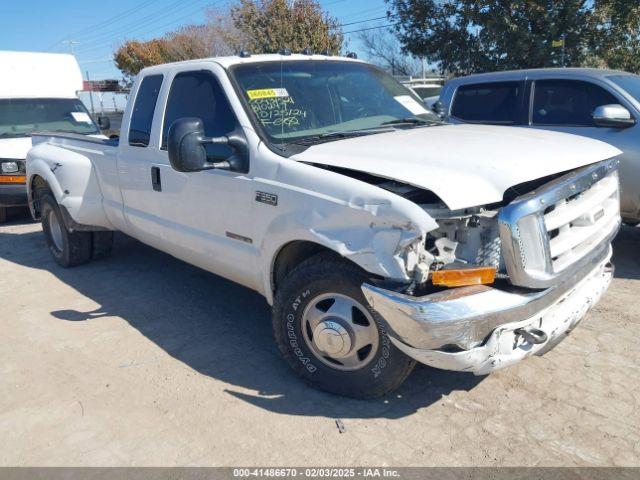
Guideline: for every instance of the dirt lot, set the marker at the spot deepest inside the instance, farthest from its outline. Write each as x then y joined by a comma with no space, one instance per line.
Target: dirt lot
141,359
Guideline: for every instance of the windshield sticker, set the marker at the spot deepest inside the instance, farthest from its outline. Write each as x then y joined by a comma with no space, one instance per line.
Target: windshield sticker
81,117
411,104
267,93
279,111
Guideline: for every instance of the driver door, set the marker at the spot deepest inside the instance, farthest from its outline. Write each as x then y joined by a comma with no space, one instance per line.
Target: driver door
206,214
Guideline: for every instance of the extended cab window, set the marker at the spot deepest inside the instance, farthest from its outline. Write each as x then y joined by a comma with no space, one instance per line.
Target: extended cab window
567,102
199,95
143,109
487,103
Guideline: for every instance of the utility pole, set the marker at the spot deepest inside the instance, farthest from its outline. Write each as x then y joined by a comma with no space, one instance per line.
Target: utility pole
71,43
93,112
564,36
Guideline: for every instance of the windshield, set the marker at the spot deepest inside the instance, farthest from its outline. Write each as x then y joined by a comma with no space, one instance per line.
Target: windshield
630,83
294,100
24,116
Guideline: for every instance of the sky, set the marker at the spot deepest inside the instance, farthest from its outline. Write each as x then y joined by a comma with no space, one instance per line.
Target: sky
92,29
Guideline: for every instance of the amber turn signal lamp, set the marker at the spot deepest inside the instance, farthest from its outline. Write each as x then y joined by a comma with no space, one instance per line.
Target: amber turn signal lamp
12,178
464,276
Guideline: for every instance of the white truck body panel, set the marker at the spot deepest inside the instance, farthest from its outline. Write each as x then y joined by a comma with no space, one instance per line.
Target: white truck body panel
185,225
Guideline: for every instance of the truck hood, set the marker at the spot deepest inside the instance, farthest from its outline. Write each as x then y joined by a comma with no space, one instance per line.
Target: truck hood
15,148
465,165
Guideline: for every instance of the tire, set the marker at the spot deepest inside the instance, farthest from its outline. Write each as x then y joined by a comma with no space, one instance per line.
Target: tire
3,214
101,244
324,287
68,248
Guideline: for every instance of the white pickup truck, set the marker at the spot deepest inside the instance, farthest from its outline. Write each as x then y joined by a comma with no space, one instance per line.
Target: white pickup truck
380,236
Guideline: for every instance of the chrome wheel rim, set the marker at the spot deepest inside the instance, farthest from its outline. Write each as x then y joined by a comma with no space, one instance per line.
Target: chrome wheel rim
339,331
55,230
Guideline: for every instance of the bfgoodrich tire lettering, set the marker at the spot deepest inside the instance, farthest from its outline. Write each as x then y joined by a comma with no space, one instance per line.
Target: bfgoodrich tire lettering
384,370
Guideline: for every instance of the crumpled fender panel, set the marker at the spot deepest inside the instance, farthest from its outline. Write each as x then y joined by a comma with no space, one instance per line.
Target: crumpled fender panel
363,223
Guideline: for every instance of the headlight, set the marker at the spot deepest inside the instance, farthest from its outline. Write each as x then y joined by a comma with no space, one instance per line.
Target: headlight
9,167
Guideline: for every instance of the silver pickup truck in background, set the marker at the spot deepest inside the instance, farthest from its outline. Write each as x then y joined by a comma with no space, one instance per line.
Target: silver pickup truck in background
596,103
380,236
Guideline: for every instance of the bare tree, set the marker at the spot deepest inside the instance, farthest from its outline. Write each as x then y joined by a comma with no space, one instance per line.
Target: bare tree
224,37
381,48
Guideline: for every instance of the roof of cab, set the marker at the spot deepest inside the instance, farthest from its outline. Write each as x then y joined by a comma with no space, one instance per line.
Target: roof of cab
230,61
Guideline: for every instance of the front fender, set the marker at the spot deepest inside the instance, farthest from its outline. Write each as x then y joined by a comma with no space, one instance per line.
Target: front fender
372,228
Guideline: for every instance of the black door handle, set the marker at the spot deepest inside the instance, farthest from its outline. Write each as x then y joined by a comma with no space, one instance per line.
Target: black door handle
155,179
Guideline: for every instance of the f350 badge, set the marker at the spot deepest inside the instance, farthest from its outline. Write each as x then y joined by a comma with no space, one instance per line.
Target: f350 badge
268,198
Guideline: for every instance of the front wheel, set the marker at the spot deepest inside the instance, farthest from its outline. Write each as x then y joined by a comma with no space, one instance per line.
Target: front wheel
330,336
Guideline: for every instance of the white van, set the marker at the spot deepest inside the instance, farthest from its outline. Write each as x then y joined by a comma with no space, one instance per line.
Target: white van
38,91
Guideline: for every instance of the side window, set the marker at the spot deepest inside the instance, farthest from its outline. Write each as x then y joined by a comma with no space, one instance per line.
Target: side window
199,95
567,102
142,115
488,103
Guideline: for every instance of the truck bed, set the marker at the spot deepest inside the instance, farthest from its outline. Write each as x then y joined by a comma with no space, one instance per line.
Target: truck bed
80,171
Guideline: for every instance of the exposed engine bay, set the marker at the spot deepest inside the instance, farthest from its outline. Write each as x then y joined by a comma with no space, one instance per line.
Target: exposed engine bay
465,237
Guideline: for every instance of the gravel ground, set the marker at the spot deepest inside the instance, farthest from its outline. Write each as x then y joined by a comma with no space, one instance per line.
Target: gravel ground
141,359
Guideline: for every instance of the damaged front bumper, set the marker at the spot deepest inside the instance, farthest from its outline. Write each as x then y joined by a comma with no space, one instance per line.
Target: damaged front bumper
479,329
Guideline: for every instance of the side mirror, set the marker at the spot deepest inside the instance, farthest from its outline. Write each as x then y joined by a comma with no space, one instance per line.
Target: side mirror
438,109
614,115
185,144
104,122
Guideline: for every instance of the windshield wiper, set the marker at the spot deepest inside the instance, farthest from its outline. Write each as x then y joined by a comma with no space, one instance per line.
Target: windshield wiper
405,121
413,121
328,136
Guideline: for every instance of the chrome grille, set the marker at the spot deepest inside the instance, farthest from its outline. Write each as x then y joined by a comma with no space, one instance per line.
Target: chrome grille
577,224
549,233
